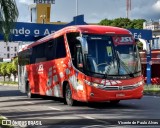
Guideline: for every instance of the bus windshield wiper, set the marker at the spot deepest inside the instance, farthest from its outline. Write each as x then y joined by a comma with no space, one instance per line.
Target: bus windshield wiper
120,61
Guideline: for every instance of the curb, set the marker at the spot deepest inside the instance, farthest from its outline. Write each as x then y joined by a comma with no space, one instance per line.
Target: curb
15,85
152,94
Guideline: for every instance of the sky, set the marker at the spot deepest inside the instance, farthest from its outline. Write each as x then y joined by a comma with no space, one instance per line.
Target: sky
94,10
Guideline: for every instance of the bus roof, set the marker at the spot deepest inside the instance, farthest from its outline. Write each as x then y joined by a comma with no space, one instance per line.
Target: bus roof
95,29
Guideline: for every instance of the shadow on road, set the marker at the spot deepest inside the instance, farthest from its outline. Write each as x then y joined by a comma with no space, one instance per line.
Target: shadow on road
8,93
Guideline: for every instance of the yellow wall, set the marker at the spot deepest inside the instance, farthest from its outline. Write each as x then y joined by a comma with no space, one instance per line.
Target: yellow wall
43,9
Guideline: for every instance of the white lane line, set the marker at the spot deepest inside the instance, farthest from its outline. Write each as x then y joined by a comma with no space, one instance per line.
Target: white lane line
55,109
94,126
88,117
29,102
97,120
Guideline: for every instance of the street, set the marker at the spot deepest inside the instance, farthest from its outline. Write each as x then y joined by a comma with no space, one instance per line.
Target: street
16,106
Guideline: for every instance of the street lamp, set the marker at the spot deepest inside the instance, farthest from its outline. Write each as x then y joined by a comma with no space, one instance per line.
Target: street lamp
76,7
43,17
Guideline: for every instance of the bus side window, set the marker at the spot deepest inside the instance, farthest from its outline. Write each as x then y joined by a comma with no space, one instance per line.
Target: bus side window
37,54
24,57
71,37
60,47
50,49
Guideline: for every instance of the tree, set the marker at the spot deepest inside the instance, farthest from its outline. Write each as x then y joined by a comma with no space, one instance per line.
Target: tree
9,70
138,23
121,22
15,67
3,70
8,15
106,22
124,23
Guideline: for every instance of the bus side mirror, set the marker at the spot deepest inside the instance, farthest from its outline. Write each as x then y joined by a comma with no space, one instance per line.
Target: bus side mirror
84,44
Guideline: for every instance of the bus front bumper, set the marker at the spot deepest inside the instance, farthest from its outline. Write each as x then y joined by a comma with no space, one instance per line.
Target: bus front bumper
98,95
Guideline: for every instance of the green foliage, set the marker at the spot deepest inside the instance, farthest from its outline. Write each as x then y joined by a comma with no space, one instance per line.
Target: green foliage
15,65
123,23
6,69
9,68
9,83
106,22
8,15
152,89
140,46
3,70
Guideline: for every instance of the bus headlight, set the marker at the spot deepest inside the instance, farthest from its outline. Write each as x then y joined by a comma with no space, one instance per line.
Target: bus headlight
95,85
139,84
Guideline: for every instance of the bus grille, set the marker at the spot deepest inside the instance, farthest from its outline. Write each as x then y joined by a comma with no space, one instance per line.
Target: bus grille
129,87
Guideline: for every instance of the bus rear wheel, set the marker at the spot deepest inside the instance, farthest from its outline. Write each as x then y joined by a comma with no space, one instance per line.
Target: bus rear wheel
68,96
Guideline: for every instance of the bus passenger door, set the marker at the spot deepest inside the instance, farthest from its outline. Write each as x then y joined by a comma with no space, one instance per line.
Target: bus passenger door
79,64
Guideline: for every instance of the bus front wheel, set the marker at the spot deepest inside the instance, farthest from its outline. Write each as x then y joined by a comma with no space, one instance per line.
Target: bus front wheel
68,96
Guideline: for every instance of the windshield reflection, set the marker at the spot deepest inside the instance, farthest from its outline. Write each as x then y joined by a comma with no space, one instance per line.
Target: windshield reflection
105,58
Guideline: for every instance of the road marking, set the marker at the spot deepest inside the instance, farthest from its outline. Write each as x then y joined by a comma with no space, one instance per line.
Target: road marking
97,120
55,109
93,126
29,102
88,117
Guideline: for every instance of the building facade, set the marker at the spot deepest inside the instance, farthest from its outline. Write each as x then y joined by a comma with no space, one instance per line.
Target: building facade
155,27
8,50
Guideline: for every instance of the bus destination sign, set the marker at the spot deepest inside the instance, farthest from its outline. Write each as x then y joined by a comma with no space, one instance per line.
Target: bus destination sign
44,1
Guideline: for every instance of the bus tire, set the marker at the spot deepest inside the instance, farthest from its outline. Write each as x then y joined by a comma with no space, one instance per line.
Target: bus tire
68,96
114,102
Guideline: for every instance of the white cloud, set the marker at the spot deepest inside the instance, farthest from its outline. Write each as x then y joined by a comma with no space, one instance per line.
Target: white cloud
26,2
94,11
156,6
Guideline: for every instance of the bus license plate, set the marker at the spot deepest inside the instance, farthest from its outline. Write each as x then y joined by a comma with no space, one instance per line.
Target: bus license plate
120,95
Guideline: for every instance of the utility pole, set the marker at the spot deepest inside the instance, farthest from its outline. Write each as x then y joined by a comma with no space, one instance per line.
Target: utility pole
128,7
76,7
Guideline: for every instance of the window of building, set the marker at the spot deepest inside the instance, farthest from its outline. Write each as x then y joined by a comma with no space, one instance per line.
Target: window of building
8,48
8,55
15,49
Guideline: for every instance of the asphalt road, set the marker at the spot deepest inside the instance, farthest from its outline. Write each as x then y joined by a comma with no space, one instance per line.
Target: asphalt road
49,112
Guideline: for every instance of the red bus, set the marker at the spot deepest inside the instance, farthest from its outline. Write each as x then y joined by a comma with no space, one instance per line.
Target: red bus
88,63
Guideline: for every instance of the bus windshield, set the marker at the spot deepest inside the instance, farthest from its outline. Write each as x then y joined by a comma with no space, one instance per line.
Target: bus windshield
104,57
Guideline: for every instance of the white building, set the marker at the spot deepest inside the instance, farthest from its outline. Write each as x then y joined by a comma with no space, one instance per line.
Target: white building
8,50
155,27
152,25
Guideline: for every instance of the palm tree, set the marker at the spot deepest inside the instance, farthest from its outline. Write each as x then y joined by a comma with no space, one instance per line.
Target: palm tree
8,16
